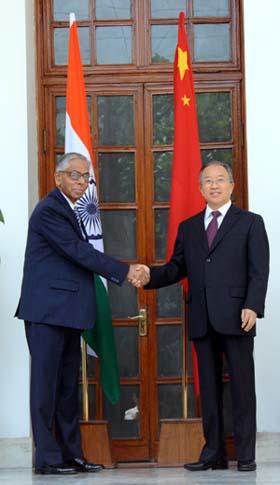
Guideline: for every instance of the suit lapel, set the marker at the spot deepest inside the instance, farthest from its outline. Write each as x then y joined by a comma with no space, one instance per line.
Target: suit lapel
200,231
57,194
230,219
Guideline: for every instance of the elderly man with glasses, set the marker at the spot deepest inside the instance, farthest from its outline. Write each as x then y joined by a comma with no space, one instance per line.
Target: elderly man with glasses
57,303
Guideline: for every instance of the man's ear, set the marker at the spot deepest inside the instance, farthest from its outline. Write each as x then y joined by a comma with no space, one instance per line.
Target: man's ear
57,179
201,191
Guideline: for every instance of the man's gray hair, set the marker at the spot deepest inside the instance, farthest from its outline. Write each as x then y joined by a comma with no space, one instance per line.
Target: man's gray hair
63,162
226,166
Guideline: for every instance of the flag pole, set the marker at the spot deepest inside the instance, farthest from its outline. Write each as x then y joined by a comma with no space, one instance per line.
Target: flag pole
185,365
85,381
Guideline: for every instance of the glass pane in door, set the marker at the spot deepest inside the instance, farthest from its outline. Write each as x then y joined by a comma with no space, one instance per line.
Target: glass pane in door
219,154
62,9
214,116
170,401
126,339
113,9
61,36
60,110
164,38
162,176
123,300
212,42
167,8
115,120
170,301
119,230
123,417
116,177
161,224
163,119
169,350
114,45
211,8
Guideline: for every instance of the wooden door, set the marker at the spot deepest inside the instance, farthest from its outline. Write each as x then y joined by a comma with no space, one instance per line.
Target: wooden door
132,129
127,122
120,153
127,55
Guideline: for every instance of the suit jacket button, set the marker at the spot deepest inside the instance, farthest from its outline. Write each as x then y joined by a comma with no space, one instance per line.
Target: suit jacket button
208,260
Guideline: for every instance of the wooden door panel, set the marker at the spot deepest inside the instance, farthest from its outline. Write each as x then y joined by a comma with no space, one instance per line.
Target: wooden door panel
116,115
132,129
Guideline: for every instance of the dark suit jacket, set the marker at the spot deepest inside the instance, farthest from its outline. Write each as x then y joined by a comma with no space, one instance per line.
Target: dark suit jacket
58,280
223,280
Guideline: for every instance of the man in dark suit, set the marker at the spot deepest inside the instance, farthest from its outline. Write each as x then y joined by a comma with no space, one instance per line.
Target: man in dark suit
57,303
224,253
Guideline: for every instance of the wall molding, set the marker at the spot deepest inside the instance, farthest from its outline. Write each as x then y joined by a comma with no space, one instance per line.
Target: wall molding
268,447
16,452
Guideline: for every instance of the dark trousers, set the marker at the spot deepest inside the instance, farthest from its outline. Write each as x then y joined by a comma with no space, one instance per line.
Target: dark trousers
55,363
239,355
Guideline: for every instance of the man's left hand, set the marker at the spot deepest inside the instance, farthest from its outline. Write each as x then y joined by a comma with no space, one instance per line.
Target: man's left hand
248,318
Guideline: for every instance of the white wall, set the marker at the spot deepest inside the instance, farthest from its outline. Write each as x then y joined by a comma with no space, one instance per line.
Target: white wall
18,149
263,133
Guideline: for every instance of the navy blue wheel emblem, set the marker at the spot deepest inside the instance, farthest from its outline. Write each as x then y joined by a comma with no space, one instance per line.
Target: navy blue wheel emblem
88,208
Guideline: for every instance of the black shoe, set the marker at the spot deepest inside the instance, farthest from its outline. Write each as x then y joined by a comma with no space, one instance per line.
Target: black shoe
206,465
82,465
246,466
60,469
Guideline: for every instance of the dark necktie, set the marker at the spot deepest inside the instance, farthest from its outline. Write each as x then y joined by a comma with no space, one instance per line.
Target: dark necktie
212,227
80,222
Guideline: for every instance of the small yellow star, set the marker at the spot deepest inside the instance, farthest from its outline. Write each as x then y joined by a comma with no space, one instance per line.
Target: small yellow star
186,100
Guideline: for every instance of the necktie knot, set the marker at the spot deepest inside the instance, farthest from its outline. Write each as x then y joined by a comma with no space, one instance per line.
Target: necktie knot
216,214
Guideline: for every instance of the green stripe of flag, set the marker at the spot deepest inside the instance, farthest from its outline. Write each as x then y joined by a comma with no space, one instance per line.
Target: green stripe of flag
101,340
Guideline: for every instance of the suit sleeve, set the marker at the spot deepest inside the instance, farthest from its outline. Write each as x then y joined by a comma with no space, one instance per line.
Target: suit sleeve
258,267
57,230
173,271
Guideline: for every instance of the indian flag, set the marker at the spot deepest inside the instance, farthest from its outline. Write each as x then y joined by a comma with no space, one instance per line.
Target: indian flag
77,139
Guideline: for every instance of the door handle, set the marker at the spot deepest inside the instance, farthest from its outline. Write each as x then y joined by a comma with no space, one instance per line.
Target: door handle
143,322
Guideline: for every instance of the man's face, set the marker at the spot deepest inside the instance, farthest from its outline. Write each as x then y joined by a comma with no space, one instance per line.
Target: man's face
74,189
216,186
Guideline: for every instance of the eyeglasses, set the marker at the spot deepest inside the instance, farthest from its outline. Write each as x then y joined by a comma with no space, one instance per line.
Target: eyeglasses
75,175
218,181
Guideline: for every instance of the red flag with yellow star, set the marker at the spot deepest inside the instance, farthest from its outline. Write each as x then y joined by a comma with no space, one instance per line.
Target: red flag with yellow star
185,199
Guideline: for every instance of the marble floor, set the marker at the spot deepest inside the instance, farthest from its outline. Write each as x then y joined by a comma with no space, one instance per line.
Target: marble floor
266,474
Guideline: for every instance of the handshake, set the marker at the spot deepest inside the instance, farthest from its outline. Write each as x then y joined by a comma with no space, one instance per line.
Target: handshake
138,275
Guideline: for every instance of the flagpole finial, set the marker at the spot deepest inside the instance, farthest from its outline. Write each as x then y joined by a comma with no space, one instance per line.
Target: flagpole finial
72,18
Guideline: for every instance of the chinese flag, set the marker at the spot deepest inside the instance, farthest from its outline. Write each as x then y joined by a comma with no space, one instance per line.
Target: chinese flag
186,199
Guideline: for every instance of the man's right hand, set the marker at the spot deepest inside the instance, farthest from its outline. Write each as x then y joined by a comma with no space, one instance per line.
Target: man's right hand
138,275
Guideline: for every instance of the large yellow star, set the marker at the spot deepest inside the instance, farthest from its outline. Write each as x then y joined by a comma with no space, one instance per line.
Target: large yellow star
182,62
186,100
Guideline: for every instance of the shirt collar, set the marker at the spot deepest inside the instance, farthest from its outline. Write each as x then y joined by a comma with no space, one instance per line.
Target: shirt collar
68,200
223,210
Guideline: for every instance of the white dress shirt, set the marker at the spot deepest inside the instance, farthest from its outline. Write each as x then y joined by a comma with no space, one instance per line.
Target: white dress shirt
208,214
68,200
